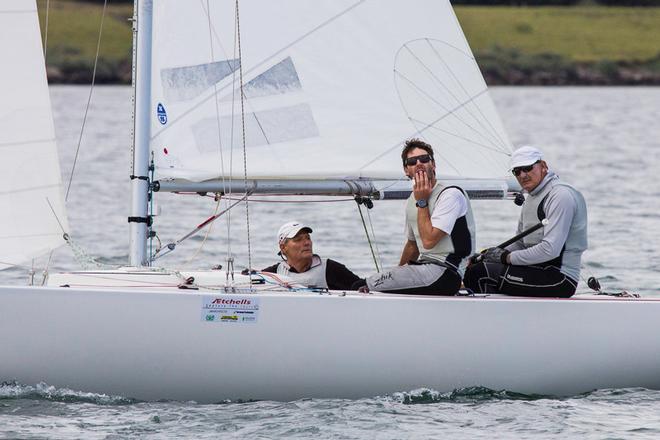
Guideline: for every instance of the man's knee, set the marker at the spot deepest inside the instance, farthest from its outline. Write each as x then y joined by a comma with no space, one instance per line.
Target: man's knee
472,275
483,277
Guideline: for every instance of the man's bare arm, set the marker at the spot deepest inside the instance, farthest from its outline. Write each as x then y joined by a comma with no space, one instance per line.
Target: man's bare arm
422,189
430,236
410,252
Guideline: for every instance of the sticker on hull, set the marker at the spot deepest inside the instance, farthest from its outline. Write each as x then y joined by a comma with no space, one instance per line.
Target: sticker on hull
231,309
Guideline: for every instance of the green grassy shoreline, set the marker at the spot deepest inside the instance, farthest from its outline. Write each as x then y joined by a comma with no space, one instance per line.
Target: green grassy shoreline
578,45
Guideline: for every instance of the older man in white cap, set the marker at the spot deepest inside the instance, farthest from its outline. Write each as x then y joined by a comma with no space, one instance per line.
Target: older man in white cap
545,263
300,263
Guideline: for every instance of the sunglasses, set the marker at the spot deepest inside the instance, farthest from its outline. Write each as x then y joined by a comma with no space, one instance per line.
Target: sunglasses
411,161
517,170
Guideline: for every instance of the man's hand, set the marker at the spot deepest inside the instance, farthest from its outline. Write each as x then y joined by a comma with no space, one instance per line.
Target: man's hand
495,255
422,187
473,259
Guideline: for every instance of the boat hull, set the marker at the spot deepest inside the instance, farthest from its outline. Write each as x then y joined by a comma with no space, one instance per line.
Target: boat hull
161,344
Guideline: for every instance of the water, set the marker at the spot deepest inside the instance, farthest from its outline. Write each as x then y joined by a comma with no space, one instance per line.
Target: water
476,413
602,140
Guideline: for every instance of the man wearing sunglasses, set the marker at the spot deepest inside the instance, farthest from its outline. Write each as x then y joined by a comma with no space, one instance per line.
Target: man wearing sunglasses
439,232
545,263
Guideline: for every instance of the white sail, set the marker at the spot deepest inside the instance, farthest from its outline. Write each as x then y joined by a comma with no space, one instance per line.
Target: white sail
32,217
332,89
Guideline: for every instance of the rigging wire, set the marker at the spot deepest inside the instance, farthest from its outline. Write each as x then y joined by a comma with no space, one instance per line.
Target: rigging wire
230,258
89,100
245,175
359,201
79,254
171,246
219,139
373,234
208,232
46,32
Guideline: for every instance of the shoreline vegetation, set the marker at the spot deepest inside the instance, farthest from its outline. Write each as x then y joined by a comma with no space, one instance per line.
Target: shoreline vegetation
514,45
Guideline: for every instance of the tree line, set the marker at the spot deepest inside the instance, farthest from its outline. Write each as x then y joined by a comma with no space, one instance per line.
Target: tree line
647,3
505,2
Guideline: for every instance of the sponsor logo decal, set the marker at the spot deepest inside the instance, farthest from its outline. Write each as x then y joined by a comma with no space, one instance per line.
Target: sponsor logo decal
230,309
161,113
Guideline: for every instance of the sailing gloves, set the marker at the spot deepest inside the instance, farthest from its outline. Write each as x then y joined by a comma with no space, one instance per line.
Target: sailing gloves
495,255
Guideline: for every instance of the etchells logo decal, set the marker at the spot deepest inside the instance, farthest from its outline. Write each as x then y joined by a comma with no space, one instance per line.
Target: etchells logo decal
162,114
230,309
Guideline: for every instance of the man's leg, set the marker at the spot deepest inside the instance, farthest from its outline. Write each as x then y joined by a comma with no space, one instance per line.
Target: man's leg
536,281
484,277
416,279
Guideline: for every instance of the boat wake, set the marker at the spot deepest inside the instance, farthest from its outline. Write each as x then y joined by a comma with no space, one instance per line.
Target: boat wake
13,390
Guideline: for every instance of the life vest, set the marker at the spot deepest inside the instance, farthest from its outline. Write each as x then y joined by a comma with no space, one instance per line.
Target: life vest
533,211
312,277
452,248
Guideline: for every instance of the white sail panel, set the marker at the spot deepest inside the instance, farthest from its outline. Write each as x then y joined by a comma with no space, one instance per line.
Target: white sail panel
30,181
332,90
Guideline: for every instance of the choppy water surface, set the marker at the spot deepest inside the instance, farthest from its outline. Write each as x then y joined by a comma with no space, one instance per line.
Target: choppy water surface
44,412
604,141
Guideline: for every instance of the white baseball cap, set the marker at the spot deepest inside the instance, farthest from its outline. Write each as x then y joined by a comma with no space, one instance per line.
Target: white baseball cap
289,230
525,156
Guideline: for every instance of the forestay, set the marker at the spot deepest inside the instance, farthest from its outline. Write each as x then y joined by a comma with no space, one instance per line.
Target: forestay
30,181
332,89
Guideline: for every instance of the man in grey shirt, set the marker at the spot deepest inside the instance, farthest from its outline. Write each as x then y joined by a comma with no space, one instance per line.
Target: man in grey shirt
545,263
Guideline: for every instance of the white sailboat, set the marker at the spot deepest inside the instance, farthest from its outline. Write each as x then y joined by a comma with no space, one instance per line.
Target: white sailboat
330,91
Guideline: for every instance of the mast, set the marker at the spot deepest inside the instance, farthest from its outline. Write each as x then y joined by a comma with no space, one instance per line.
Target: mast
138,219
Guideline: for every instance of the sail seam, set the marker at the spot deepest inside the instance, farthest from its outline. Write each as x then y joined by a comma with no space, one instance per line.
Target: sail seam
471,141
494,132
34,188
34,141
453,111
398,144
8,237
435,77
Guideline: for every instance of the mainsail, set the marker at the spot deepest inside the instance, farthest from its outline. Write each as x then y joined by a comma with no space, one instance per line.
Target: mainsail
331,90
32,218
